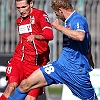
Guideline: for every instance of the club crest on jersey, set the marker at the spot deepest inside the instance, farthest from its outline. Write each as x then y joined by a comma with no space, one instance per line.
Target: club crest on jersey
68,27
46,18
32,20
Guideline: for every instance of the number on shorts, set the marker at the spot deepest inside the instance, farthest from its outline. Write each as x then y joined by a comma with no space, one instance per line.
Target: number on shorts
48,68
9,68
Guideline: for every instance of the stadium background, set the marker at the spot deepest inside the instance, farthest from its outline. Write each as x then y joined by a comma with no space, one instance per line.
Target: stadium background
9,34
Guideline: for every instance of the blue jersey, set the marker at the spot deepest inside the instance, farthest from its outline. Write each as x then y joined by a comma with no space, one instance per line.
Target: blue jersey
77,22
75,52
72,66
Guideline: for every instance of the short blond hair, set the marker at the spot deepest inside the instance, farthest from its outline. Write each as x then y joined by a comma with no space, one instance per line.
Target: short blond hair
56,4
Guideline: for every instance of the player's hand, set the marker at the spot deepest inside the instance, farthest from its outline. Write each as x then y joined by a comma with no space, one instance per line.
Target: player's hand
90,59
56,24
30,38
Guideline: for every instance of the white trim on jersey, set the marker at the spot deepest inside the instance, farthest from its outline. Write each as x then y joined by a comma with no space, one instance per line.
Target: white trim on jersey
35,51
46,27
80,30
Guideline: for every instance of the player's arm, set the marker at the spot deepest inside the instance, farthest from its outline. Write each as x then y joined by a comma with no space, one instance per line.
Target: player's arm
74,34
46,27
32,37
42,36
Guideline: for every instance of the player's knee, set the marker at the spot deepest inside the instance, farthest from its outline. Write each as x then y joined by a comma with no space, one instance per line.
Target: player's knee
11,87
24,86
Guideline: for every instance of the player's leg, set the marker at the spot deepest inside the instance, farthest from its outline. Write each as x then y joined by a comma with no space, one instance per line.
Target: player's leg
38,78
11,83
29,68
14,76
44,76
9,90
35,80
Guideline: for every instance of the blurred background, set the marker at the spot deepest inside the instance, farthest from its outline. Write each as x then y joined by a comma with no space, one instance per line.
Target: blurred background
9,36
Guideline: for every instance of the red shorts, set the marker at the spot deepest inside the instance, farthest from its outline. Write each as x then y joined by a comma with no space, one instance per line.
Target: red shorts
17,71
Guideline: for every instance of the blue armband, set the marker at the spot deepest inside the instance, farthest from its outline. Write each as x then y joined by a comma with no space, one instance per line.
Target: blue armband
17,95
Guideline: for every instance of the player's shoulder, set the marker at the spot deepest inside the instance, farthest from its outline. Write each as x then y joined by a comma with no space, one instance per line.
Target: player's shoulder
79,17
38,12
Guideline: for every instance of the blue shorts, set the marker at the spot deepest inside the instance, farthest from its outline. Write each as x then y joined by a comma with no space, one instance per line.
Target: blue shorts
79,84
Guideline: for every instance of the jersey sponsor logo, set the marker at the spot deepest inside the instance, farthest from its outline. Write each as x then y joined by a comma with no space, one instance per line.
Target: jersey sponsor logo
46,18
25,28
49,68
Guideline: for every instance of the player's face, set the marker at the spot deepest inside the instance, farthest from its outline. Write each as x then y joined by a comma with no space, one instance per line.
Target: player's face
60,15
24,8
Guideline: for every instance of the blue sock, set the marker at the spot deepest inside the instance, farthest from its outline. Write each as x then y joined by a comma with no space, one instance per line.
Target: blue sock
17,95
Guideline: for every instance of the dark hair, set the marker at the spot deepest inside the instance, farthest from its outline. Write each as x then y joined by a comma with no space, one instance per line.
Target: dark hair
28,1
56,4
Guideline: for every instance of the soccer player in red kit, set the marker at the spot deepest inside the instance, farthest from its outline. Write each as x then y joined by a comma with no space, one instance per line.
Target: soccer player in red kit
32,50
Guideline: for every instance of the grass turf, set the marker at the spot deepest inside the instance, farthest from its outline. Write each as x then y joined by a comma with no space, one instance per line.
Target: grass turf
55,90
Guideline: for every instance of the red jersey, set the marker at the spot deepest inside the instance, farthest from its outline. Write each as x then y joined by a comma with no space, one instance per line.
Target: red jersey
37,52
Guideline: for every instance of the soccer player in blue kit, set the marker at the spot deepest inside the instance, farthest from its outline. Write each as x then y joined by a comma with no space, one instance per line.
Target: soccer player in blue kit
75,62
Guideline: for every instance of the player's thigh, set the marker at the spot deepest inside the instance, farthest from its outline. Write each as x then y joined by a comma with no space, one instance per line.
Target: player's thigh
37,77
35,80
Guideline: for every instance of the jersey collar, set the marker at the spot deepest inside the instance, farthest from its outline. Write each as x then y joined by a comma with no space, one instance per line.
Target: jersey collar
72,14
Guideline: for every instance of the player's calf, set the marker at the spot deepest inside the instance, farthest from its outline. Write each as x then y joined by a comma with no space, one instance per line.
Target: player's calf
17,95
